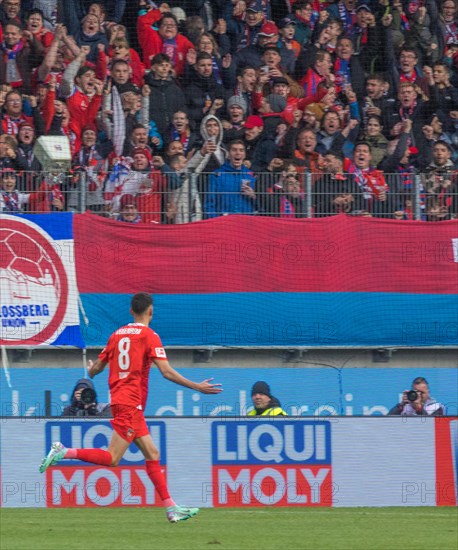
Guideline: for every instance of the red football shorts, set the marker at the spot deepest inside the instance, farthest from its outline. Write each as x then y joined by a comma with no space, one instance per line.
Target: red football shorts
128,422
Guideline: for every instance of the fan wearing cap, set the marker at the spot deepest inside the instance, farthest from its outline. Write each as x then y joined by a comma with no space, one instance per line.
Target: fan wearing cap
265,404
287,28
11,201
128,212
260,146
267,36
244,22
366,37
273,71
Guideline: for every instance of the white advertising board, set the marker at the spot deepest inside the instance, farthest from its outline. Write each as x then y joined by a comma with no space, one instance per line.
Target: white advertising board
212,462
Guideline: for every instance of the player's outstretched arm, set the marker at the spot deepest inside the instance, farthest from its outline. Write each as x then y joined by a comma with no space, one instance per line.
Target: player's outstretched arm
171,374
94,368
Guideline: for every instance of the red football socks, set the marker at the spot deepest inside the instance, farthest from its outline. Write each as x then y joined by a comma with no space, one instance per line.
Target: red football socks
96,456
154,471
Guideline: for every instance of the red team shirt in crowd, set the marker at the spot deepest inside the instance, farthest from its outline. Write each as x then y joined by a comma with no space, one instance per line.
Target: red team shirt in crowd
129,353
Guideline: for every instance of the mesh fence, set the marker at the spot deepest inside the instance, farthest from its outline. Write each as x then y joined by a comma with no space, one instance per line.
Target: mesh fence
170,198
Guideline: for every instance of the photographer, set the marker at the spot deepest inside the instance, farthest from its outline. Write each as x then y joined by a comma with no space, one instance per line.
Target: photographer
84,401
418,402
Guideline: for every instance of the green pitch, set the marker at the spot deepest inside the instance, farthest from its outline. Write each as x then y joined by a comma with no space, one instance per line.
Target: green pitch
231,529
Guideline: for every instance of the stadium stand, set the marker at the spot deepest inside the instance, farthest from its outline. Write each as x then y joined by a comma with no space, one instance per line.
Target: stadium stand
336,107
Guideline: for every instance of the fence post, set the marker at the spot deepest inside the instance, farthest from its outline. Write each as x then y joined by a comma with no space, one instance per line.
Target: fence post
416,197
308,194
82,188
192,188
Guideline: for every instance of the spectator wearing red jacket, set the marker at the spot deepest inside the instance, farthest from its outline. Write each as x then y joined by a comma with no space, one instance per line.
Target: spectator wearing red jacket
83,93
166,40
35,26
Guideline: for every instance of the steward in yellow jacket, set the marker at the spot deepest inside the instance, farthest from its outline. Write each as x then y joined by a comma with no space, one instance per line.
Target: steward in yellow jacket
265,404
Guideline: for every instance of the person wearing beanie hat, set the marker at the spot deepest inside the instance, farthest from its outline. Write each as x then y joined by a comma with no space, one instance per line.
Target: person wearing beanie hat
129,212
142,151
239,101
90,126
277,102
265,404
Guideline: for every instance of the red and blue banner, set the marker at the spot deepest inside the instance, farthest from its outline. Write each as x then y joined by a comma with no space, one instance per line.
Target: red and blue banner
254,281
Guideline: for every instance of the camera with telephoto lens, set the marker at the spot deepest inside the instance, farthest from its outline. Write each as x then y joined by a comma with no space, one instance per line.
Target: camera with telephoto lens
412,395
88,396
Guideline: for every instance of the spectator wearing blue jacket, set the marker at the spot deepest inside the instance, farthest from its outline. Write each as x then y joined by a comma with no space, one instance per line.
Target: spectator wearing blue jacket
231,187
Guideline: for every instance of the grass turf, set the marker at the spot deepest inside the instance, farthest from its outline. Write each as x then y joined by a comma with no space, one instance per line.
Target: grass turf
231,529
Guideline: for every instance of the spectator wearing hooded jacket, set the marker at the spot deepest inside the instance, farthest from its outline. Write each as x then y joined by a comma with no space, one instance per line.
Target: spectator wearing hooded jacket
212,154
86,404
231,187
265,404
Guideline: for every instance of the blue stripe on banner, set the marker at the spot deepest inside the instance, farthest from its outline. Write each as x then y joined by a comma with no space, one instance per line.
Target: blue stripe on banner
58,227
285,319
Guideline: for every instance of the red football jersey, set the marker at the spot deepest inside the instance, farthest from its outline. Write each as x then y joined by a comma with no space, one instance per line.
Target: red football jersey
129,353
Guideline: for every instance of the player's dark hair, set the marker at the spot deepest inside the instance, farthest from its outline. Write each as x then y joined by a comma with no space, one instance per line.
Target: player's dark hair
141,302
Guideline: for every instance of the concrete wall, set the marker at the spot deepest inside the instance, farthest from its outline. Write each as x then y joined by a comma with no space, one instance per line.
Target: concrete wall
225,358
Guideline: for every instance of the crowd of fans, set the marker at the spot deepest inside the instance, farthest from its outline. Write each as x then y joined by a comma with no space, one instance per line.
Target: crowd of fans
188,110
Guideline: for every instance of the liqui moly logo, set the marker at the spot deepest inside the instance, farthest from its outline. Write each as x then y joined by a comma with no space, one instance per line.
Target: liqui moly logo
282,463
74,483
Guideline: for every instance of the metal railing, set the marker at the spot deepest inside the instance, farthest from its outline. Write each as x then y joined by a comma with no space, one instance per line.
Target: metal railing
201,196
